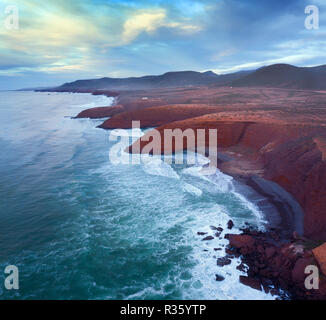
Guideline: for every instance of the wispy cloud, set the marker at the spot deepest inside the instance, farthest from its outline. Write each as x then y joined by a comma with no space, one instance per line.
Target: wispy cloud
149,21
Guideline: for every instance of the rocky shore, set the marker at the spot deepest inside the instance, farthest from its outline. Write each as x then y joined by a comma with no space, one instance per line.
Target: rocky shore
277,263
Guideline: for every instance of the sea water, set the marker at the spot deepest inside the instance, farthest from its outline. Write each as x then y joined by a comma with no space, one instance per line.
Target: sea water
79,227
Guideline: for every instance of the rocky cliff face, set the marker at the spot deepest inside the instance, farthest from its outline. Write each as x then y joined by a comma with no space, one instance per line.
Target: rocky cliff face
298,166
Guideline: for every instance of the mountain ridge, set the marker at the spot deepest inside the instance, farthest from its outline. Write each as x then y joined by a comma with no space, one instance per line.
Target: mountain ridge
274,76
166,80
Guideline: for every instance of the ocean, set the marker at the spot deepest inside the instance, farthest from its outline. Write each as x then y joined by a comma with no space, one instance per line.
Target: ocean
79,227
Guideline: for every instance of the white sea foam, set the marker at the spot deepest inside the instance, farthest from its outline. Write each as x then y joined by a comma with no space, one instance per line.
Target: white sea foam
156,166
195,171
132,133
192,189
253,208
225,184
201,160
99,101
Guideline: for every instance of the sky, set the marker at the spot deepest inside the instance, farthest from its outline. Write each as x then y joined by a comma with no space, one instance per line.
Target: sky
60,41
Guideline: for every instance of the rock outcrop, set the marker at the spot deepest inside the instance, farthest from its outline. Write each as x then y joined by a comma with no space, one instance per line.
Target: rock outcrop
100,112
276,263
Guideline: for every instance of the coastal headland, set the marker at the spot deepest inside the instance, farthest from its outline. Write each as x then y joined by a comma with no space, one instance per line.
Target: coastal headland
273,134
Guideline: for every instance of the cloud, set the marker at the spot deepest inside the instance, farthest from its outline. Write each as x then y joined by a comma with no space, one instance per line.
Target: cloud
149,21
142,22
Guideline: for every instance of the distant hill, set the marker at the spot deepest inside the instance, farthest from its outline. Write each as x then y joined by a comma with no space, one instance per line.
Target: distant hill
273,76
166,80
285,76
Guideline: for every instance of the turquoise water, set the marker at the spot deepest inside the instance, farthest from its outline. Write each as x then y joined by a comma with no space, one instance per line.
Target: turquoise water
79,227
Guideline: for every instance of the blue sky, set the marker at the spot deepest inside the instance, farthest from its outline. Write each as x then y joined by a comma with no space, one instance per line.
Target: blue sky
59,40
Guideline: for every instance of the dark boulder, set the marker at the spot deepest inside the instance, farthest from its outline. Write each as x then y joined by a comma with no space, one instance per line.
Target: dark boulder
251,282
223,261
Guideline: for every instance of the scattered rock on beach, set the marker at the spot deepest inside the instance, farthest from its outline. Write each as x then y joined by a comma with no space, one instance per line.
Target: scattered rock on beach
230,224
231,253
201,233
208,238
223,261
241,267
251,282
219,278
216,228
218,231
240,241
